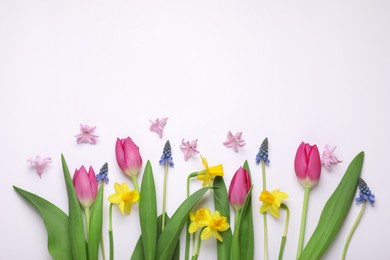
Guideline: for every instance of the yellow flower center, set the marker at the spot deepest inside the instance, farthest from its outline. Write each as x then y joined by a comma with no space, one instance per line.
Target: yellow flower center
127,196
267,197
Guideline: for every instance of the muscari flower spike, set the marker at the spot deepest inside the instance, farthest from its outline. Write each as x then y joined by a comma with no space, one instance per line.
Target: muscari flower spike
263,153
166,157
365,193
103,174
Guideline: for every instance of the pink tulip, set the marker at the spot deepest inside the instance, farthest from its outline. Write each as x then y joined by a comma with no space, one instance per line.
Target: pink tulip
85,185
307,164
128,157
239,187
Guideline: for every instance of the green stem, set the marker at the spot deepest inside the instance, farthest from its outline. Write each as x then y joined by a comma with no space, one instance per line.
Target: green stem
357,221
87,217
303,221
111,236
284,236
135,182
196,252
188,237
164,196
265,215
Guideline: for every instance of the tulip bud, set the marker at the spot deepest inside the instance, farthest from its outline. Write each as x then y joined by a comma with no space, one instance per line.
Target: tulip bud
85,185
307,164
128,157
239,188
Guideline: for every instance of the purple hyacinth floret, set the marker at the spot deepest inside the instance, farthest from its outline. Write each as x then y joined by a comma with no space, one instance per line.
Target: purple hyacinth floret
166,157
263,153
365,193
103,174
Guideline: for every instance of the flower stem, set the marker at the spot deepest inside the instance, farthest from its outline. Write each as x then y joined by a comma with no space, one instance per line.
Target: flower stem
135,182
284,236
164,195
303,221
196,252
265,215
357,221
111,236
188,237
87,216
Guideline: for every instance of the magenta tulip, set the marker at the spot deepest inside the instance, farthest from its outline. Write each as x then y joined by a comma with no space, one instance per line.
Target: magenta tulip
128,156
85,185
238,189
307,164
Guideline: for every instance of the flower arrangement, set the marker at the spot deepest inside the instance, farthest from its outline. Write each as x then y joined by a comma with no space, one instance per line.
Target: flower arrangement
79,233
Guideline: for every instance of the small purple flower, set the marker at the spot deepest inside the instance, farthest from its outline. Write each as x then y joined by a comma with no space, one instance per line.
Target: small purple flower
234,141
189,148
166,157
365,193
263,153
86,135
158,126
39,163
328,158
103,174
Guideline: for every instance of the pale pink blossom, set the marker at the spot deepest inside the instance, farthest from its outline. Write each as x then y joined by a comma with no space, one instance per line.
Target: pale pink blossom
234,141
158,125
86,134
189,148
328,158
39,163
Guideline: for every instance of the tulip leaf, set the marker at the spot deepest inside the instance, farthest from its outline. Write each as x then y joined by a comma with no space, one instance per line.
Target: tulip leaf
221,203
138,253
56,223
148,213
95,225
76,225
169,238
246,235
334,212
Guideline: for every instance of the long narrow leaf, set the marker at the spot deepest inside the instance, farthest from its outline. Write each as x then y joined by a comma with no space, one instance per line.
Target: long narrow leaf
148,213
247,234
168,240
138,253
221,203
56,223
334,212
95,226
76,225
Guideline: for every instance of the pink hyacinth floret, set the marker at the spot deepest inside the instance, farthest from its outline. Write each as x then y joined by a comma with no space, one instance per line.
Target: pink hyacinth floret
328,158
39,163
87,135
158,125
189,148
234,141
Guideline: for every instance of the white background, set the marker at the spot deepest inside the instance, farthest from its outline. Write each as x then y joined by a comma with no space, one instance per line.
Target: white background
292,71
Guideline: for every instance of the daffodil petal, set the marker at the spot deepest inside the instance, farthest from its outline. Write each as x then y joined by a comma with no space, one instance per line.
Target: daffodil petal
216,170
217,235
115,198
193,227
117,188
265,207
206,233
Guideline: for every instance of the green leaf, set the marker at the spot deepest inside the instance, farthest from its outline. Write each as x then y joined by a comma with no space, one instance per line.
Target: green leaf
148,213
76,225
237,240
221,203
168,240
246,235
56,223
334,212
138,253
95,226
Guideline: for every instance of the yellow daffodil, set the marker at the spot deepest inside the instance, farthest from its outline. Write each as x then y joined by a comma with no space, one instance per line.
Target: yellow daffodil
216,224
200,219
271,201
124,197
208,174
